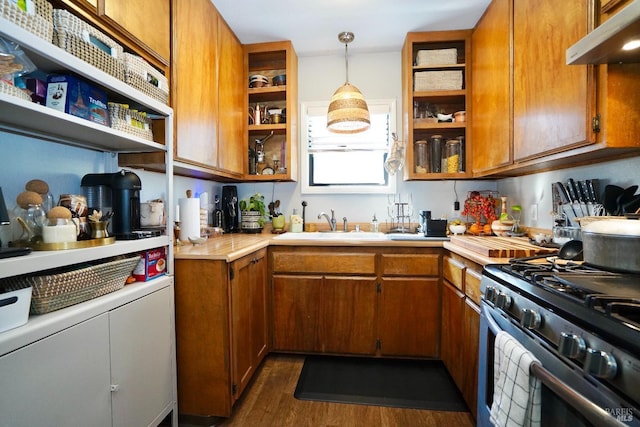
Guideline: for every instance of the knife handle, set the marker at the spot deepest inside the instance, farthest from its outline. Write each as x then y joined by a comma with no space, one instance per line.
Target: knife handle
562,191
584,191
593,193
572,193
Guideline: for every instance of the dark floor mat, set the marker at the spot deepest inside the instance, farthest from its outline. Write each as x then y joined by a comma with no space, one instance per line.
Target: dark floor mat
382,382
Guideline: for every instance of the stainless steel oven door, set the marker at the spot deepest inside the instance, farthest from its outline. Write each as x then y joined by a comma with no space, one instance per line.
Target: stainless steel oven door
568,399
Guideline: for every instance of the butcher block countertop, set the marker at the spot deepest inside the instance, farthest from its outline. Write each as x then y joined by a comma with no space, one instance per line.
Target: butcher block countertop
480,249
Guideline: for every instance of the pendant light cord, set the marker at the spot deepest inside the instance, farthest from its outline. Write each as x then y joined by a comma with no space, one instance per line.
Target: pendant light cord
346,62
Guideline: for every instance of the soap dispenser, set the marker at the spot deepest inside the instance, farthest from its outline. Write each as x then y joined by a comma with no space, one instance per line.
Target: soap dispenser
374,224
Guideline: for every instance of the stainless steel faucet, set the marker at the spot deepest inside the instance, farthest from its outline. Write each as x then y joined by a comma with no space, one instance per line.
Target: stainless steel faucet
331,221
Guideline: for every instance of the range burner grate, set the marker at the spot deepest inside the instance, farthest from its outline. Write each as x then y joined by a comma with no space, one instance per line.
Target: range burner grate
611,294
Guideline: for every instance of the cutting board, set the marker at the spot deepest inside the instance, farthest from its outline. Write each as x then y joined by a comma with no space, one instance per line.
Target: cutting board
500,247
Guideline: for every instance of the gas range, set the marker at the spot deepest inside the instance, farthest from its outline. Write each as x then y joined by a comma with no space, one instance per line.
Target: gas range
605,302
587,317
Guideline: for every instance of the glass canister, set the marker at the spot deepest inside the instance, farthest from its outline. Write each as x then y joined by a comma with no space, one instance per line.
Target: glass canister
453,156
463,160
421,156
435,153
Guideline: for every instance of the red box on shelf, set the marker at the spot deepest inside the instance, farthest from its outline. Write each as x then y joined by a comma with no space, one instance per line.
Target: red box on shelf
153,263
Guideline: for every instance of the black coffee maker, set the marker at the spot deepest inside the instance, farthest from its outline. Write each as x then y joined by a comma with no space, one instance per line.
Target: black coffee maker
118,192
230,211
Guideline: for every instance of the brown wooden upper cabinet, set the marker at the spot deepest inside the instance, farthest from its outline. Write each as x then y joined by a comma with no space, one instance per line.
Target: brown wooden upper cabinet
142,26
531,111
435,79
147,21
279,159
207,92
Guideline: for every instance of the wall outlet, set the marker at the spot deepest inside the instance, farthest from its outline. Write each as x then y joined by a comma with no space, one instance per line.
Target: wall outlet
533,209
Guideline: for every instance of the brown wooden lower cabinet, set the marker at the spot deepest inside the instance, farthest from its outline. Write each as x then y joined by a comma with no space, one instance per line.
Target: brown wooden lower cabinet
409,317
460,324
452,335
367,301
221,330
469,350
324,314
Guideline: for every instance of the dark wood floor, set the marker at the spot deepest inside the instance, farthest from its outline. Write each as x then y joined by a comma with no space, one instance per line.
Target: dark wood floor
269,401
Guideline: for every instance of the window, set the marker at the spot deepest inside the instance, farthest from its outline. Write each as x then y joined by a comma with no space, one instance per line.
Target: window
346,163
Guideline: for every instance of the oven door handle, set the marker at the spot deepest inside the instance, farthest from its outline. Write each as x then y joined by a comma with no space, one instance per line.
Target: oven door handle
596,415
592,412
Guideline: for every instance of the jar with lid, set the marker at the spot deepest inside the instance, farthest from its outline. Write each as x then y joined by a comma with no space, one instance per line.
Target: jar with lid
463,160
452,156
421,156
435,149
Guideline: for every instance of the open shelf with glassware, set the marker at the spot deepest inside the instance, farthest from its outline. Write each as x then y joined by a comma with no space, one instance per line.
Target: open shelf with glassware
271,71
435,78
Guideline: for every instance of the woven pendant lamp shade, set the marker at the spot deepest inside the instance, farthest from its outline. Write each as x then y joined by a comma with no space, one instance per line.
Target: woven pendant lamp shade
348,111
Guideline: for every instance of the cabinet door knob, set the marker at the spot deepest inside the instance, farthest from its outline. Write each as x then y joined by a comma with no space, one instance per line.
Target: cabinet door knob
115,387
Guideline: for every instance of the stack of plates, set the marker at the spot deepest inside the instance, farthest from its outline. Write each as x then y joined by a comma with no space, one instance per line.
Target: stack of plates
258,80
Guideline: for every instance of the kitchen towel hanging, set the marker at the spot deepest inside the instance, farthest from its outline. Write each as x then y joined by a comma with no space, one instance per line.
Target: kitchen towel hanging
516,393
189,218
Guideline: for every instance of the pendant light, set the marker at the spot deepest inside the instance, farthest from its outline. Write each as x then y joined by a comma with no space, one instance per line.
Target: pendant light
348,111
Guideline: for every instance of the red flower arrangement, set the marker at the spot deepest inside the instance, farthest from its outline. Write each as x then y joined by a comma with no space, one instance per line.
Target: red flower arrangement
478,207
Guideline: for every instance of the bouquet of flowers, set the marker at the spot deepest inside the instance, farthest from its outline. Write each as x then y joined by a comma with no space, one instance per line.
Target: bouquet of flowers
480,206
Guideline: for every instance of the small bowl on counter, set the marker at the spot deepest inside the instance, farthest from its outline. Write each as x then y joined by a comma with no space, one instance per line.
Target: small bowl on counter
457,228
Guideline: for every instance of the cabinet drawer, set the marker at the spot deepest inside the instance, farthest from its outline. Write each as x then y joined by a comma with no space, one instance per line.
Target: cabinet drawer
453,272
318,262
410,265
472,285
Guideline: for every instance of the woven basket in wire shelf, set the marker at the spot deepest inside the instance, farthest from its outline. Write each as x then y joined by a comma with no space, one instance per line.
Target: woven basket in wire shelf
14,91
58,289
142,76
87,43
39,23
130,121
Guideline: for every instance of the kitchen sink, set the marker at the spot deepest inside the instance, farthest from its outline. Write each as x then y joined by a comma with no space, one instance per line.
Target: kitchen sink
336,235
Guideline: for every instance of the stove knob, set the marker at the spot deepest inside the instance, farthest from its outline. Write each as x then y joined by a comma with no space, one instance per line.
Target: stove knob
530,318
600,364
571,345
490,294
503,301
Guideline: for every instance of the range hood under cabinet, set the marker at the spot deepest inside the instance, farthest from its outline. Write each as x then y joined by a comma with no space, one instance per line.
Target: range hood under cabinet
604,44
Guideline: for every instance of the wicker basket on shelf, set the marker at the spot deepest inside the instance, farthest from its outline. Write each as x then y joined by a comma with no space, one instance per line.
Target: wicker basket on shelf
438,80
39,23
437,57
87,43
14,91
62,288
130,121
142,76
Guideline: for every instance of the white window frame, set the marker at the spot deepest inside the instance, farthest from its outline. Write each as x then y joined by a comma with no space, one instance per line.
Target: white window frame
389,188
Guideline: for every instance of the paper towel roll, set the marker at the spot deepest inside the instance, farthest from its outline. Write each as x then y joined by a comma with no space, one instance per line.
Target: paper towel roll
189,218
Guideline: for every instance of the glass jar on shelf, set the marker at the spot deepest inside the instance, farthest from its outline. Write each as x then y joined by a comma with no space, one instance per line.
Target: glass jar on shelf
452,156
421,156
435,153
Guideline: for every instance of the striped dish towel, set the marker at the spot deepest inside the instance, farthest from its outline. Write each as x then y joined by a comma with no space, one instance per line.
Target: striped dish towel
516,393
